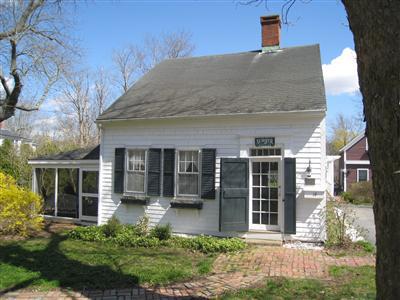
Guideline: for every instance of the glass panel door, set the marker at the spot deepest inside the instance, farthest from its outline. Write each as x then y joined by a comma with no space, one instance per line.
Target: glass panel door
68,193
89,196
265,195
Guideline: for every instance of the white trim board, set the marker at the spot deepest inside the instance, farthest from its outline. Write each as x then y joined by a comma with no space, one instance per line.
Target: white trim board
64,162
352,142
357,162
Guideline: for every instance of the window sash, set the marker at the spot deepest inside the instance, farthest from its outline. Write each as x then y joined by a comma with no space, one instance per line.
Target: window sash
135,169
188,167
362,178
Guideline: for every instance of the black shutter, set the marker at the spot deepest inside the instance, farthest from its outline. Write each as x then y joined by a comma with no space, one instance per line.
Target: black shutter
208,157
119,170
290,196
169,172
234,194
154,172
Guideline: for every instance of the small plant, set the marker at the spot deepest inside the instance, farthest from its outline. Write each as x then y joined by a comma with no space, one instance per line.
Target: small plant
89,233
162,232
366,246
112,227
339,219
142,226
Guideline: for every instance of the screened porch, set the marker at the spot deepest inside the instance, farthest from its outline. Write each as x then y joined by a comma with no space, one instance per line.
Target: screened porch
68,183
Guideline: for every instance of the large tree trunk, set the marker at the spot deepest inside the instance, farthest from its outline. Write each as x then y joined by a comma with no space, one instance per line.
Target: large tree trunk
376,28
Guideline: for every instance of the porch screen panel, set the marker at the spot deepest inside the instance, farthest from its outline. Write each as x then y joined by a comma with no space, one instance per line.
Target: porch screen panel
46,184
68,193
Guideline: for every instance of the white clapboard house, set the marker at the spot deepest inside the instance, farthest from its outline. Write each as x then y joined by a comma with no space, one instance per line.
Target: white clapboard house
226,145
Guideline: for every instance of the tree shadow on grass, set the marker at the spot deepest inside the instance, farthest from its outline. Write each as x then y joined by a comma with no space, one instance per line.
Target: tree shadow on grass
52,265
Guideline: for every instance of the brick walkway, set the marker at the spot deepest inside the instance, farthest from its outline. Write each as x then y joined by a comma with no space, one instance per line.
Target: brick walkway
231,272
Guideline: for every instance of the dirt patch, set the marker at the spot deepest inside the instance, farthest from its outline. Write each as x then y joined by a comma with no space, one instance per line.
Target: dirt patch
49,228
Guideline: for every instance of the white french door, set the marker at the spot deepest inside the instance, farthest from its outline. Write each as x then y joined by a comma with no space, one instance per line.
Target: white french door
265,194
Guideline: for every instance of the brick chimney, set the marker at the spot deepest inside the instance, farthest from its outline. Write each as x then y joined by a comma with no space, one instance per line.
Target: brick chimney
270,32
2,125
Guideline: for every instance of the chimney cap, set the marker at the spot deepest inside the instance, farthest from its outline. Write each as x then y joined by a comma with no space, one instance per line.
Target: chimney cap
270,18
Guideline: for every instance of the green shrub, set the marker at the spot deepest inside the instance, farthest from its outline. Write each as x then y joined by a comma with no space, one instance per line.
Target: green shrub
130,236
112,228
89,233
135,241
162,232
209,244
20,209
361,192
347,197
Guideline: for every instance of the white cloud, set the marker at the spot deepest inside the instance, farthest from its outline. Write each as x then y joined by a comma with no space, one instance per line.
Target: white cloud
340,75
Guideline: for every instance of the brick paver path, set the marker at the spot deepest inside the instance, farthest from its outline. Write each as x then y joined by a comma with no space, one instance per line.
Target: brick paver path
231,272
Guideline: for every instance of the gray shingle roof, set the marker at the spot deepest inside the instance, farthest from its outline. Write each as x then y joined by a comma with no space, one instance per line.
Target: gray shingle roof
8,134
77,154
251,82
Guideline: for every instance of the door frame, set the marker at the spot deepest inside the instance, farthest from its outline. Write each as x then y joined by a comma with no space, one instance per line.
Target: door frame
81,195
259,227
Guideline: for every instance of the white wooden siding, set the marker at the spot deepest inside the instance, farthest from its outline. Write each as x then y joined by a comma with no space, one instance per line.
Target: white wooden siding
300,135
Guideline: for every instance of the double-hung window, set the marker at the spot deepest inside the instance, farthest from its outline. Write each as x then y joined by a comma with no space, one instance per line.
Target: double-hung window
136,170
188,173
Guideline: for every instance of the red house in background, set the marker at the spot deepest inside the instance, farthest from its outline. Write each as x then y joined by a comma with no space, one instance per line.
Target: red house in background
354,165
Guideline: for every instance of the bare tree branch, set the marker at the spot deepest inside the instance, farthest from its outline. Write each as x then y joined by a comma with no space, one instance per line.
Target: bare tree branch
34,50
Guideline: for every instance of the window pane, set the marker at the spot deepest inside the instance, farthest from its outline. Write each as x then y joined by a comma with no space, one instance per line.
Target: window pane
256,167
264,205
188,184
273,219
89,206
362,175
135,182
264,218
273,206
256,180
264,193
256,192
67,196
46,179
273,193
256,205
256,218
90,182
264,167
136,160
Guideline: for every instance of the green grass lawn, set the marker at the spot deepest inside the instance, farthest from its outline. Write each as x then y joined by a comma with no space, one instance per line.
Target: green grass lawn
46,263
346,283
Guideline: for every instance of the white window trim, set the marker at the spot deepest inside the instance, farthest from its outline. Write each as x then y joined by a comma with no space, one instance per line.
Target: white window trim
358,174
126,191
178,172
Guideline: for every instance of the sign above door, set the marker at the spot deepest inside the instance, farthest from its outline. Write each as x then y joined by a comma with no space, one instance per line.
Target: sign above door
264,141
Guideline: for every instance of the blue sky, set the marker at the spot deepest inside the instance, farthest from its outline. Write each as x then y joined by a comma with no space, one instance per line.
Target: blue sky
225,27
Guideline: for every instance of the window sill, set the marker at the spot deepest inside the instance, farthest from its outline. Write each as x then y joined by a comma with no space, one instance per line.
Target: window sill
130,199
187,203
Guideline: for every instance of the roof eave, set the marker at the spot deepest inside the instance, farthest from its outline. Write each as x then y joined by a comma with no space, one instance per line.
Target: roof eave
312,111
